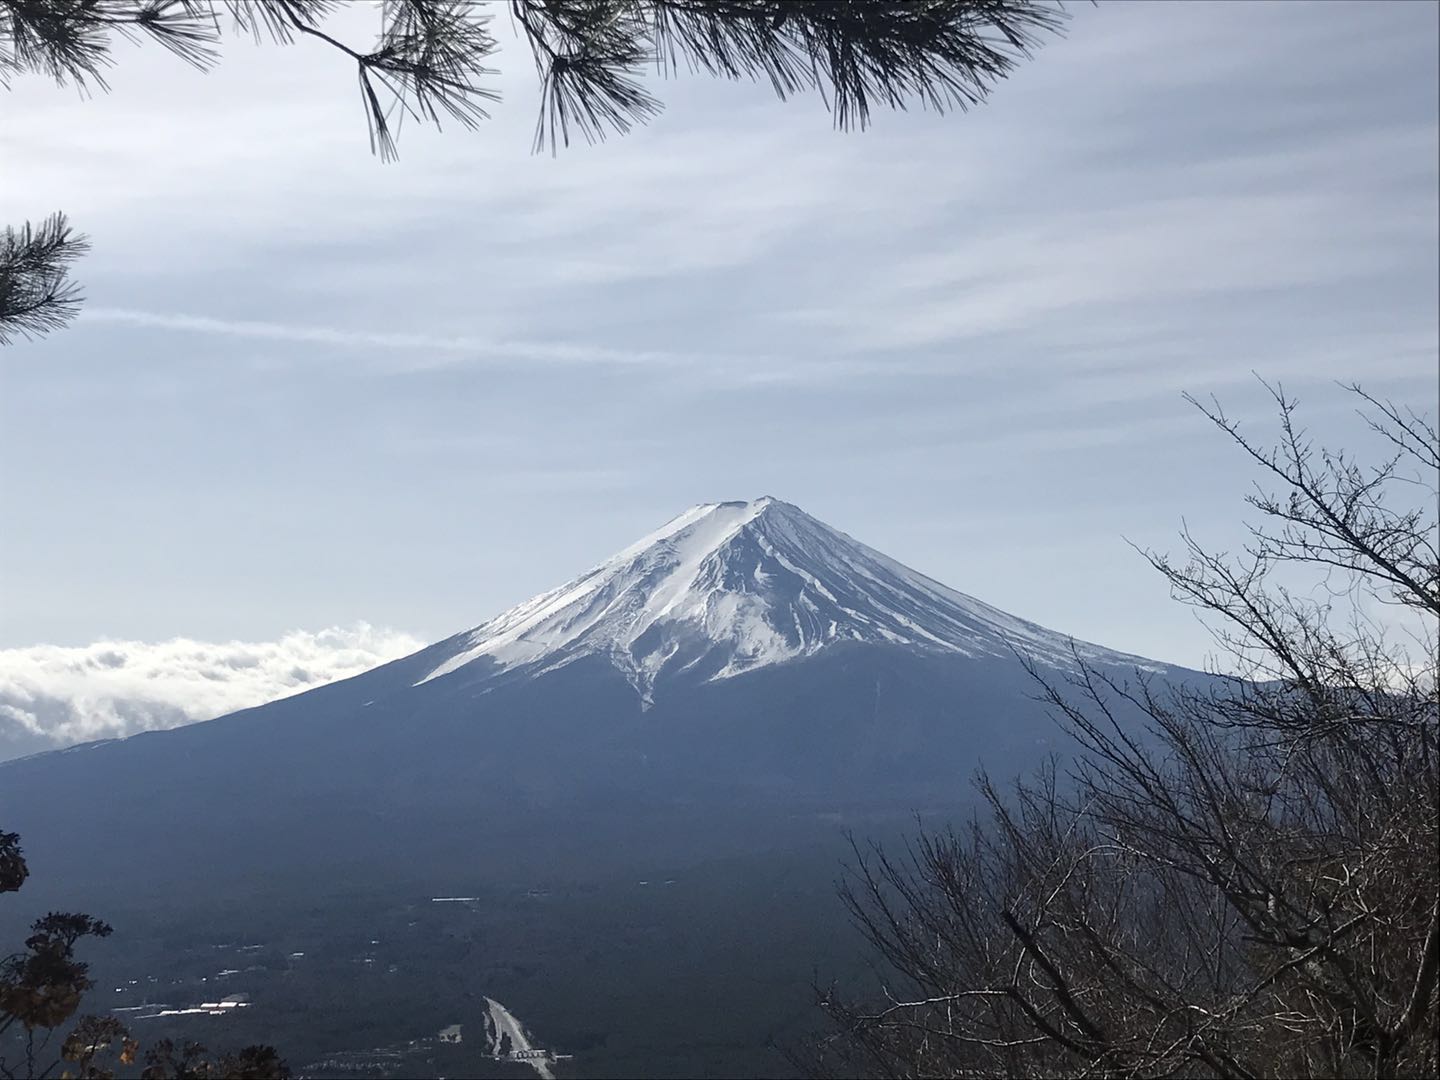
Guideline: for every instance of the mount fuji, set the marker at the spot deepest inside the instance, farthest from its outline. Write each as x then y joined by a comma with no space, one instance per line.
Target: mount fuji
744,662
727,588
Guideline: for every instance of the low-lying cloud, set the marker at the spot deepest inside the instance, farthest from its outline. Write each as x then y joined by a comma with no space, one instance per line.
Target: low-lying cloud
53,696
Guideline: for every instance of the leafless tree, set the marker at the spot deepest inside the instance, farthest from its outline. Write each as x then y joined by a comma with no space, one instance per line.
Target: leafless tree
1235,877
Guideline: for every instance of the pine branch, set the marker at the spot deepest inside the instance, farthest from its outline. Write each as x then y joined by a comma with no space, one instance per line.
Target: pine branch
36,293
943,54
429,64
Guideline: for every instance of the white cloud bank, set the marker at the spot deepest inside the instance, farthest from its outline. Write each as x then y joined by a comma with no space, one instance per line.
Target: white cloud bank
52,696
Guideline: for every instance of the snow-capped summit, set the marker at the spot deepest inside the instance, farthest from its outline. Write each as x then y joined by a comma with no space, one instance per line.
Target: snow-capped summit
728,587
744,663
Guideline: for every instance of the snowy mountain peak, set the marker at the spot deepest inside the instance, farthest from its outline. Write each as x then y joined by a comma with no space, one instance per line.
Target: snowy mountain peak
729,587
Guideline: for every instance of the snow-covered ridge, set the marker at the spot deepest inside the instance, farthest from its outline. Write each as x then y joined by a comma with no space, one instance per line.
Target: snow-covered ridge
729,587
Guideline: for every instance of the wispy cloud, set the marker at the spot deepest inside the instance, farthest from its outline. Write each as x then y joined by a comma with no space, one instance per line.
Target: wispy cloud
460,348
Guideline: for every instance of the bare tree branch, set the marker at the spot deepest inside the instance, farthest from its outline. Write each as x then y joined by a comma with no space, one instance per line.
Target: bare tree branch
1236,876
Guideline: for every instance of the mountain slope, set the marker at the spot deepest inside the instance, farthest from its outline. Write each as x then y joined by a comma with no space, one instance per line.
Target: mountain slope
730,587
743,671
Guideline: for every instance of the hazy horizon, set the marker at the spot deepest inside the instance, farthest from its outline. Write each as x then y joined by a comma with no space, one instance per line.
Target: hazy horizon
309,390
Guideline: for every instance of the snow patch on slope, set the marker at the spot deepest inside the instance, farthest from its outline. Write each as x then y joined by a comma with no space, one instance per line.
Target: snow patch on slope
729,587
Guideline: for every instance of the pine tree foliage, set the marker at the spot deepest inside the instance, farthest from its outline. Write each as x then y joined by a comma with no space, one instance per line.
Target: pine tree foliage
36,293
1236,879
430,63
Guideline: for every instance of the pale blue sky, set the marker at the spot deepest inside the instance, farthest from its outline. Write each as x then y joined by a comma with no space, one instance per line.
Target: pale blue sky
311,389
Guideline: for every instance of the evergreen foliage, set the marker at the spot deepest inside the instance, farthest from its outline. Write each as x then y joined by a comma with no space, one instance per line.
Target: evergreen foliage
430,63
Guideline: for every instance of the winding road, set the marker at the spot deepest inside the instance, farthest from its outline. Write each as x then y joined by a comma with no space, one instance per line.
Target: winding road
506,1023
